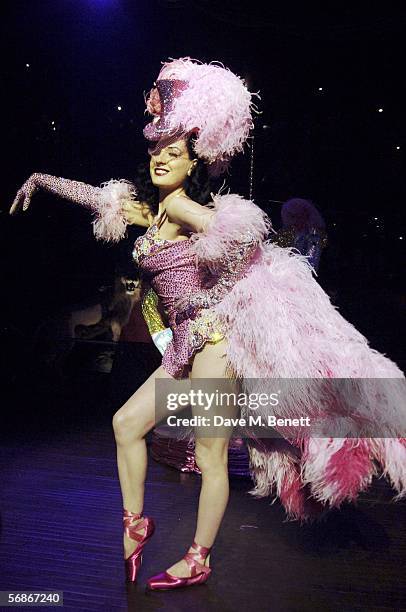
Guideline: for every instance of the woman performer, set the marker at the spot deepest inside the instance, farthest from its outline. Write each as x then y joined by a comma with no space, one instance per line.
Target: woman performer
239,308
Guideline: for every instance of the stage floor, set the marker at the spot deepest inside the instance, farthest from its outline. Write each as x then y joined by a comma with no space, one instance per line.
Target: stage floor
61,524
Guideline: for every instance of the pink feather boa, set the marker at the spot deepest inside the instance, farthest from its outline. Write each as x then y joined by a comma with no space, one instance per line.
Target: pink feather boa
281,324
233,217
110,224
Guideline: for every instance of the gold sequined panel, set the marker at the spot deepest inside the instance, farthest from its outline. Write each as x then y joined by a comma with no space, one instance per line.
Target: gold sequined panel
205,328
149,307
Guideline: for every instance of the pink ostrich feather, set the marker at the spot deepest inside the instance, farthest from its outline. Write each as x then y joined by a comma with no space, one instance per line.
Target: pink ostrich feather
292,495
234,217
277,470
338,469
217,103
110,224
281,324
391,454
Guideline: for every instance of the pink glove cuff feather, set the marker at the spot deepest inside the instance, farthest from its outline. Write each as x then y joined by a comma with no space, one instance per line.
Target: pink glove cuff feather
110,224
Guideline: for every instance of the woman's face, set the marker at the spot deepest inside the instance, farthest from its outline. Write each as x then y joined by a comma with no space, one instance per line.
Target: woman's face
169,166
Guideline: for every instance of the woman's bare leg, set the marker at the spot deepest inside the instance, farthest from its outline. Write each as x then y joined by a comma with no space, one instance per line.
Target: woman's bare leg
130,424
211,455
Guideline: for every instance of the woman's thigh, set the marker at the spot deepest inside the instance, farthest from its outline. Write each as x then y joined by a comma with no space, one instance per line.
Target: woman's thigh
210,382
145,408
210,361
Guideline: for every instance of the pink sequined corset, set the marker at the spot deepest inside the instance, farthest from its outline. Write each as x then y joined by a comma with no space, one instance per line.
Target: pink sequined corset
170,268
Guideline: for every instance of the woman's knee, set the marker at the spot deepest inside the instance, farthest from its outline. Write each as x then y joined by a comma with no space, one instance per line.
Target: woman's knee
211,457
130,424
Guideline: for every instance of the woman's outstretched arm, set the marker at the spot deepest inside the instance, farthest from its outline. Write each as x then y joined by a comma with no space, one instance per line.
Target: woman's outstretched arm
114,204
75,191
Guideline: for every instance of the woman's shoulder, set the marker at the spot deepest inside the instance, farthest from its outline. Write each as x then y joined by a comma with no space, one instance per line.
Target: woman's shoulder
235,215
182,202
187,213
234,220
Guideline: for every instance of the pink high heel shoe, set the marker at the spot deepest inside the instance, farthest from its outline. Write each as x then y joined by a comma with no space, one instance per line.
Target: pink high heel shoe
133,562
199,572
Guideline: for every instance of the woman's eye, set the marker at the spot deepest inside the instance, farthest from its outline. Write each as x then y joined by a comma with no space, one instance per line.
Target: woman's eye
172,154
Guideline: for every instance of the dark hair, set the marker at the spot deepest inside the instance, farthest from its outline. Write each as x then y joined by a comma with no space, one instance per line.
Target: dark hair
197,186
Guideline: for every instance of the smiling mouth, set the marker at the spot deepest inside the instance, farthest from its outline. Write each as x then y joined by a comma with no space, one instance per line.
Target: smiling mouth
160,171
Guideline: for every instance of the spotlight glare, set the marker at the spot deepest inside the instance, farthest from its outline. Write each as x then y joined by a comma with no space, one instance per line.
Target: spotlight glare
380,110
119,108
320,89
27,65
398,148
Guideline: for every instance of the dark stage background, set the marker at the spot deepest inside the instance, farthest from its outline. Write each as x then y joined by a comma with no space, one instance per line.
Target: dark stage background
322,75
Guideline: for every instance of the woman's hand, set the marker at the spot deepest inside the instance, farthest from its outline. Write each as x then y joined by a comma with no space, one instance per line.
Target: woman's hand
24,195
136,213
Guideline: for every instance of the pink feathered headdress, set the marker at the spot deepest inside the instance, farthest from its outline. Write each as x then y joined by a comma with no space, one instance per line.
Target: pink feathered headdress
207,99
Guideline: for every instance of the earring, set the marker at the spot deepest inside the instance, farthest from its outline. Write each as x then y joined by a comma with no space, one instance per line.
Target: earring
189,173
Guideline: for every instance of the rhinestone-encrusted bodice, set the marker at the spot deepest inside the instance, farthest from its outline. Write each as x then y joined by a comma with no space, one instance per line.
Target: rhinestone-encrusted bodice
171,270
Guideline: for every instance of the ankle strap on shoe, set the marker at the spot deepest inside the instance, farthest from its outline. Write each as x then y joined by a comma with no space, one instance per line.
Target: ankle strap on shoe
132,531
129,516
202,551
193,563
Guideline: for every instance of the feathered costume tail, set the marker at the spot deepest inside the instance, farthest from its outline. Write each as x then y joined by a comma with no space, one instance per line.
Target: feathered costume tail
281,324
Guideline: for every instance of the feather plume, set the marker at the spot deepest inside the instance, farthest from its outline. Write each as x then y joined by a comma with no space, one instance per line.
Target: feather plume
110,224
234,219
216,104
